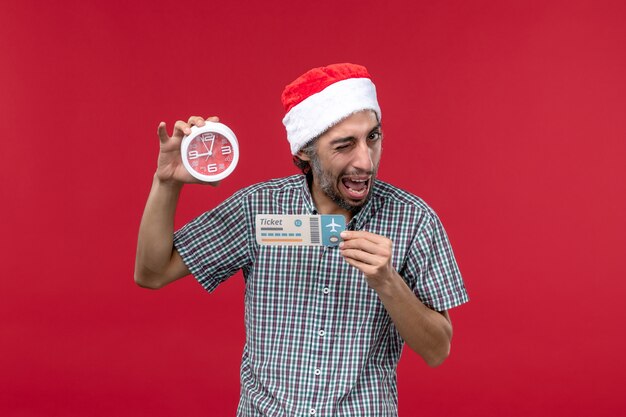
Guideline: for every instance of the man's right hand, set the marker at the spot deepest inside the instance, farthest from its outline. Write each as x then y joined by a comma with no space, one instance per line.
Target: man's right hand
157,262
170,168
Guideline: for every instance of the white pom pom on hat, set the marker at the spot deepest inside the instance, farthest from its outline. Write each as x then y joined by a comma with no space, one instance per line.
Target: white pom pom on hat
324,96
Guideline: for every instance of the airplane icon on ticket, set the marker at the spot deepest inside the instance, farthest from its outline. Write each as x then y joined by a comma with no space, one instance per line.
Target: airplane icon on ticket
333,226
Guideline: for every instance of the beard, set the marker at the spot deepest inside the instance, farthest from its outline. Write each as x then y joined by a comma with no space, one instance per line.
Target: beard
328,184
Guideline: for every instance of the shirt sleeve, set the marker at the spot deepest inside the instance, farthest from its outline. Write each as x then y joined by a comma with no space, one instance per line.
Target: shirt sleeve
214,246
438,281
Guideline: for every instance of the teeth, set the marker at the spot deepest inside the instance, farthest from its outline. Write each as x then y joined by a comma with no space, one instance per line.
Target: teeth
358,192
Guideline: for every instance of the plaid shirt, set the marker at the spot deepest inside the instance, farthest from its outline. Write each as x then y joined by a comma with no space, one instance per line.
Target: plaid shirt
318,340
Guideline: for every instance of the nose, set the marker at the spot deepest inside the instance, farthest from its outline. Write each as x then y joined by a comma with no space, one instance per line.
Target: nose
362,160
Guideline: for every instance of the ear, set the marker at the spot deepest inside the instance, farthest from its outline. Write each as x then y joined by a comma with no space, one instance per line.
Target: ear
303,156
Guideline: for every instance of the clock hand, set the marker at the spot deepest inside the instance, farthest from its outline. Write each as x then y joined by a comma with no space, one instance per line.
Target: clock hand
210,150
212,143
205,147
195,154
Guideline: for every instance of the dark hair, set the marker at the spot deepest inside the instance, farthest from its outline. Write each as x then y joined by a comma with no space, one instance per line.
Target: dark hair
309,150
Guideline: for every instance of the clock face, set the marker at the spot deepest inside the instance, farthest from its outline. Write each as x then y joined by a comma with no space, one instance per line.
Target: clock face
210,155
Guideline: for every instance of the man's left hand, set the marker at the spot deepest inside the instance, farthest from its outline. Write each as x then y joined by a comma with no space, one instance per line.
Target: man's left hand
370,253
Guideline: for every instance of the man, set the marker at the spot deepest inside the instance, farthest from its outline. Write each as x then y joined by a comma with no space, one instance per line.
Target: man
325,326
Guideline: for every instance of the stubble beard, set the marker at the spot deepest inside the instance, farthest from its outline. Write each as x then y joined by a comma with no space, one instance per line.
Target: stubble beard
327,184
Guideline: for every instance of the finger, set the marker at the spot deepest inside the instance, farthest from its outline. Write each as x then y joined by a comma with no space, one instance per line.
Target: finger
181,129
377,245
364,245
195,121
162,132
214,119
356,234
363,257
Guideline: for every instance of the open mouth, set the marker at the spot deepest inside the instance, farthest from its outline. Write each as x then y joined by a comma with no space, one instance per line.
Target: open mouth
356,187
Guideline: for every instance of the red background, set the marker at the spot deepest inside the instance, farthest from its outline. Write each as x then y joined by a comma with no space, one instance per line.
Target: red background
508,117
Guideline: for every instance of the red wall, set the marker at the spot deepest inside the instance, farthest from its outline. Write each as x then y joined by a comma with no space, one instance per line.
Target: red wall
508,117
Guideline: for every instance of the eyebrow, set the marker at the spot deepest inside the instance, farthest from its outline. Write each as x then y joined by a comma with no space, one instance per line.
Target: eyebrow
351,138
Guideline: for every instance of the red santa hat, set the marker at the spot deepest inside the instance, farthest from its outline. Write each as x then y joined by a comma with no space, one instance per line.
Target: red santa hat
324,96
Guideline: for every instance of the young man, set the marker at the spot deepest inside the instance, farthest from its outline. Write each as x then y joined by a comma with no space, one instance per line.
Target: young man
325,326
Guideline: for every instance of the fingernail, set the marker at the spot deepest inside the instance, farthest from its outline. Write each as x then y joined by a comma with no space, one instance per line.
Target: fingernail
340,245
344,234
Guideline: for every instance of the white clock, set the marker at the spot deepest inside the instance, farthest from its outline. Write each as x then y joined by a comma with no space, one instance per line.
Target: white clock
211,152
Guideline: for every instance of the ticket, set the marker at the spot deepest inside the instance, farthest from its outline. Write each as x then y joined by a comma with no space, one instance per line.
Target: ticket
299,230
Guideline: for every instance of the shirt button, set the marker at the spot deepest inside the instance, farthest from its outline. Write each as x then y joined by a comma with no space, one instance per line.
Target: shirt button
321,332
317,372
326,290
312,411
